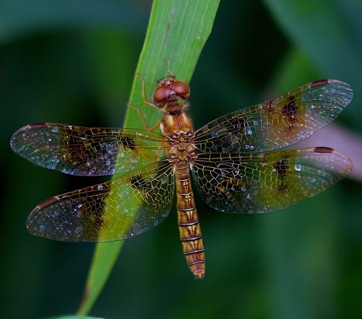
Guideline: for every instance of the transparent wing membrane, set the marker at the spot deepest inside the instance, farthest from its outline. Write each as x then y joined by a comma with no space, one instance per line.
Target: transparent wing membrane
264,182
277,123
121,208
232,160
85,151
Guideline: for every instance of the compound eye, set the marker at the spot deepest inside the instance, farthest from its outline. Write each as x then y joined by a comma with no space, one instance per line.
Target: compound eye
161,95
181,89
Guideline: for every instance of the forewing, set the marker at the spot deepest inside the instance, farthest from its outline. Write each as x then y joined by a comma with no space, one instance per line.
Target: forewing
282,121
119,209
264,182
85,151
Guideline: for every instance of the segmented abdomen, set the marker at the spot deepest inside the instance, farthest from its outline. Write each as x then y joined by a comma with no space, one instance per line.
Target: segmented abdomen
188,222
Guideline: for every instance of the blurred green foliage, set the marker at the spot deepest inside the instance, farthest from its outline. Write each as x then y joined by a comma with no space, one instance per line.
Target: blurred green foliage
74,62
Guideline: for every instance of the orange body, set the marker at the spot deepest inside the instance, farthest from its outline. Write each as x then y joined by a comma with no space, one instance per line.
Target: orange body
181,151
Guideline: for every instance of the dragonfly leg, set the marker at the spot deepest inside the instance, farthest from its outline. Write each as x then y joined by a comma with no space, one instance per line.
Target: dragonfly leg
147,128
137,109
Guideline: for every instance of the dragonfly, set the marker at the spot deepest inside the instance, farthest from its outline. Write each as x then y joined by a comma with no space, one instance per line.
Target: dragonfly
237,164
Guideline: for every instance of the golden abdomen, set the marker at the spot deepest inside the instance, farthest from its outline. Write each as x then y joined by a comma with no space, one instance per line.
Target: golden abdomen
188,222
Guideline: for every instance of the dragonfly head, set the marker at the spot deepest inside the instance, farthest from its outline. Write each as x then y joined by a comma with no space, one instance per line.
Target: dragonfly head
169,91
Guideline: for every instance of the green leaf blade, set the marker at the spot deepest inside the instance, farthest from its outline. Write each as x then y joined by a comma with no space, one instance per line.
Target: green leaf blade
177,33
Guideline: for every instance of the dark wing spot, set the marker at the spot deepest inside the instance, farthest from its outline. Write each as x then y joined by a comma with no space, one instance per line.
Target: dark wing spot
128,142
290,110
138,182
76,147
281,168
236,125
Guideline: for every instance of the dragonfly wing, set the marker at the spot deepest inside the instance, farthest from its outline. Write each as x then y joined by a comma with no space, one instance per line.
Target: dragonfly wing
264,182
282,121
119,209
85,151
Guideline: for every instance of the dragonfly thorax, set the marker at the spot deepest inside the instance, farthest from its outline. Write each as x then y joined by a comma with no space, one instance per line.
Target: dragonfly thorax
182,147
175,120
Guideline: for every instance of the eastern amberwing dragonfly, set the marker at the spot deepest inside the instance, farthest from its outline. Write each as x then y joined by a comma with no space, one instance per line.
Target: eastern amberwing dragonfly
232,161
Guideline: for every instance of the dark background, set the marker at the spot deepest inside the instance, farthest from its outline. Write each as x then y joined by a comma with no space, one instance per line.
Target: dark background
74,61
